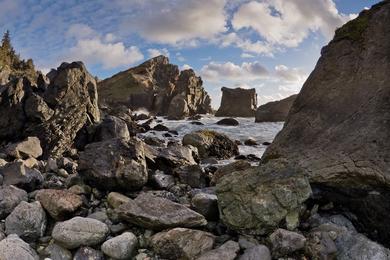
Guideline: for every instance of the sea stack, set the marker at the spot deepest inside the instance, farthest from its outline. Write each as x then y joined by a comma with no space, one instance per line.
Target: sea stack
275,111
237,102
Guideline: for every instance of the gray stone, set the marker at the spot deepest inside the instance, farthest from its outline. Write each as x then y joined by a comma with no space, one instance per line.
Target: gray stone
10,197
121,247
116,199
192,175
257,200
88,253
239,165
16,173
56,252
115,164
211,144
31,147
27,220
111,127
163,181
80,231
13,248
259,252
285,242
227,251
182,243
206,204
157,213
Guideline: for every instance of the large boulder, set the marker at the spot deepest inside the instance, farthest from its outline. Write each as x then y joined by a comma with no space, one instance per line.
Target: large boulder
157,86
31,147
121,247
275,111
211,144
16,173
13,248
35,109
157,213
182,243
259,199
337,130
80,231
10,197
237,102
115,164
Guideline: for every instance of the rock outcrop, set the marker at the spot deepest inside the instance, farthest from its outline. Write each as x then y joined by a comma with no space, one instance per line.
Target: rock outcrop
41,108
275,111
337,129
159,87
237,102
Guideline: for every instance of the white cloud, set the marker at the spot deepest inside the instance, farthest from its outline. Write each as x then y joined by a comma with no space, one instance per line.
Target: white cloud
157,52
177,21
180,57
290,75
246,55
93,49
288,23
223,71
186,67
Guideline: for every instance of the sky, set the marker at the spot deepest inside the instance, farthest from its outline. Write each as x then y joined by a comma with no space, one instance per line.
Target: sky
270,45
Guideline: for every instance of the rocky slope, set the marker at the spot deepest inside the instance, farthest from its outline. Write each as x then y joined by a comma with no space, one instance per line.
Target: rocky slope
275,111
237,102
159,87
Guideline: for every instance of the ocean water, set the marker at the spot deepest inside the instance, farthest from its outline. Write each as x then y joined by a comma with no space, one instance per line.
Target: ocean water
261,132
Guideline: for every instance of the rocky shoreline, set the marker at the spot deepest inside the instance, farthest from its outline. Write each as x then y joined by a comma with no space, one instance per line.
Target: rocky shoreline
83,181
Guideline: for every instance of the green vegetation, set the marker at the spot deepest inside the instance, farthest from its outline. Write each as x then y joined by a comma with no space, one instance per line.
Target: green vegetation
354,29
11,61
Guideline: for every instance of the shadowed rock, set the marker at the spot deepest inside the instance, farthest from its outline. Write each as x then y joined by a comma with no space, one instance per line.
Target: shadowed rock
275,111
237,102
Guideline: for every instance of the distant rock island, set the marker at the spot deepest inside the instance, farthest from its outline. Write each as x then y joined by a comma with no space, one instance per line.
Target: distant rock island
237,102
275,111
159,87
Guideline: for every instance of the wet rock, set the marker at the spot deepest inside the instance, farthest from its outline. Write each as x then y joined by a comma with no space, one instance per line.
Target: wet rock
228,251
182,243
228,121
211,143
16,173
88,253
60,204
56,252
115,164
79,231
27,220
13,248
157,213
192,175
10,197
285,242
229,168
111,127
196,123
154,141
258,199
31,147
121,247
275,111
160,128
256,253
172,157
237,102
206,204
250,142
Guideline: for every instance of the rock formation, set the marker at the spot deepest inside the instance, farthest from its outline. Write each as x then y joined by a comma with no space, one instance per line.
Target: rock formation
275,111
337,129
237,102
159,87
40,108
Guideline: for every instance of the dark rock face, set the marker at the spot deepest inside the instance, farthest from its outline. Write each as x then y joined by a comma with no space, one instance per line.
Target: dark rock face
276,111
159,87
337,129
237,102
29,109
117,164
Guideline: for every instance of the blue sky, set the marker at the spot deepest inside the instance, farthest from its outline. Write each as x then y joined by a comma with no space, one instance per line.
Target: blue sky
271,45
